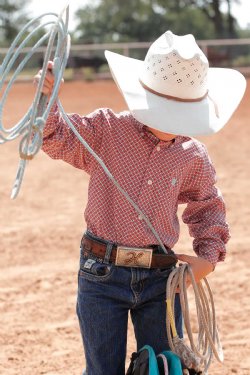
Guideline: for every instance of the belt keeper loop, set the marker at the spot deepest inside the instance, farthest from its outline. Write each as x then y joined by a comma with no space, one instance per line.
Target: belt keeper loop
109,249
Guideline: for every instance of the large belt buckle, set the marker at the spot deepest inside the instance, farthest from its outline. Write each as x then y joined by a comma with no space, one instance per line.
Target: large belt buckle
133,257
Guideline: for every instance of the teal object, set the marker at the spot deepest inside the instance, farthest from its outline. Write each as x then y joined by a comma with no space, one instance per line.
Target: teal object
174,363
156,365
153,364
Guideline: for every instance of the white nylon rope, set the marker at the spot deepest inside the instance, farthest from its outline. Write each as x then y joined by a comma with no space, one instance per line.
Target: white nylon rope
197,355
30,127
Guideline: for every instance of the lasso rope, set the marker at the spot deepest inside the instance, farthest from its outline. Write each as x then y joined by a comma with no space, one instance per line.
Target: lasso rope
197,356
30,129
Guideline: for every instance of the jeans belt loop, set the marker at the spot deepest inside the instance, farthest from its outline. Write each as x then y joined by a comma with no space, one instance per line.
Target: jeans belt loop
109,249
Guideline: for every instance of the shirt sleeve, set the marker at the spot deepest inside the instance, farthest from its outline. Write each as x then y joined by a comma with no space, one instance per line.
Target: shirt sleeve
205,213
60,142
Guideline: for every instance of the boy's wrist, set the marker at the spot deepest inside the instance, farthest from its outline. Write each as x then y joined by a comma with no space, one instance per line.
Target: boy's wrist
201,267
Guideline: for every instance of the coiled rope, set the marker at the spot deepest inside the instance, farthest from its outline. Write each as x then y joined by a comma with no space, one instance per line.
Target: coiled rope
30,129
197,356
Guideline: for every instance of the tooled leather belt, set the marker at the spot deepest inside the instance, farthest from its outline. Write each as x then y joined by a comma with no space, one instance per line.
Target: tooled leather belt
128,256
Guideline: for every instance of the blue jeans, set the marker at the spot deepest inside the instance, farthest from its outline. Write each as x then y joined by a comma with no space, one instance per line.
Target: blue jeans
106,295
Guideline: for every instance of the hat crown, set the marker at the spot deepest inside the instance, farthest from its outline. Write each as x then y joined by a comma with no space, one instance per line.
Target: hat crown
175,66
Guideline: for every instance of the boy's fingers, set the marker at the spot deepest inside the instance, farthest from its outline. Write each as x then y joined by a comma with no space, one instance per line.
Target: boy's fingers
35,80
50,65
46,91
37,76
49,76
49,79
47,86
47,82
186,258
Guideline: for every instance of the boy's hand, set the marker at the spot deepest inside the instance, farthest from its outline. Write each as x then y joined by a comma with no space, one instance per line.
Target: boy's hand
200,266
49,79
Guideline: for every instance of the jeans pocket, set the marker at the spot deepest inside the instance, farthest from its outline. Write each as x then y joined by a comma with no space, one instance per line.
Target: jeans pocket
91,269
164,272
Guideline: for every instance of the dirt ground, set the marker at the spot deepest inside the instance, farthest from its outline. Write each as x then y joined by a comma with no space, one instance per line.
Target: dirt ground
39,245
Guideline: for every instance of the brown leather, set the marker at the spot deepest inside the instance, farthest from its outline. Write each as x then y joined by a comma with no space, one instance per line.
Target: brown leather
99,249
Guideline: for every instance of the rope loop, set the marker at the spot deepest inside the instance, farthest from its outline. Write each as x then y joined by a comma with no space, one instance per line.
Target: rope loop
30,127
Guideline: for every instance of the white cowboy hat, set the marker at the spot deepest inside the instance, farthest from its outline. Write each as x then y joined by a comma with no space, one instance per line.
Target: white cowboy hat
174,90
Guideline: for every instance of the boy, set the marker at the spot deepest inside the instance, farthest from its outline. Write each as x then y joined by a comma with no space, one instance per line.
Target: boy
172,96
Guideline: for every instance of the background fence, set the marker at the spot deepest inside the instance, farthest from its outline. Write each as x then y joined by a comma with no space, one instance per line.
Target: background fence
88,61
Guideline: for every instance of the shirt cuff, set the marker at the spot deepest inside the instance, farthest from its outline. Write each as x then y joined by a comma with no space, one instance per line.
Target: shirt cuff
212,254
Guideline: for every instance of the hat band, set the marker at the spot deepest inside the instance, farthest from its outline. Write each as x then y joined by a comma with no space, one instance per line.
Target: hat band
172,97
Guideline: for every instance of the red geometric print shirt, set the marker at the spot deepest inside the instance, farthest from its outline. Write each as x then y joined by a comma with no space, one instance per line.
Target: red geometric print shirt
156,175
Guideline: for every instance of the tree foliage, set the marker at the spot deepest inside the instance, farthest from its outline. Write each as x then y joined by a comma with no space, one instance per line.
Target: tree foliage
144,20
133,20
224,23
12,18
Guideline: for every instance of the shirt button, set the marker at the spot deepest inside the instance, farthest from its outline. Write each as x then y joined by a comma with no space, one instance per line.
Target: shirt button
150,182
140,217
158,148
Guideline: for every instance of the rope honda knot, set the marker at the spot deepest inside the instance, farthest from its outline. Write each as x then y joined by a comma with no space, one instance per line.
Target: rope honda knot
36,140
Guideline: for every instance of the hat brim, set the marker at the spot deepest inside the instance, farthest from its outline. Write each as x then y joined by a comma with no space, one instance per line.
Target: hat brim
226,88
